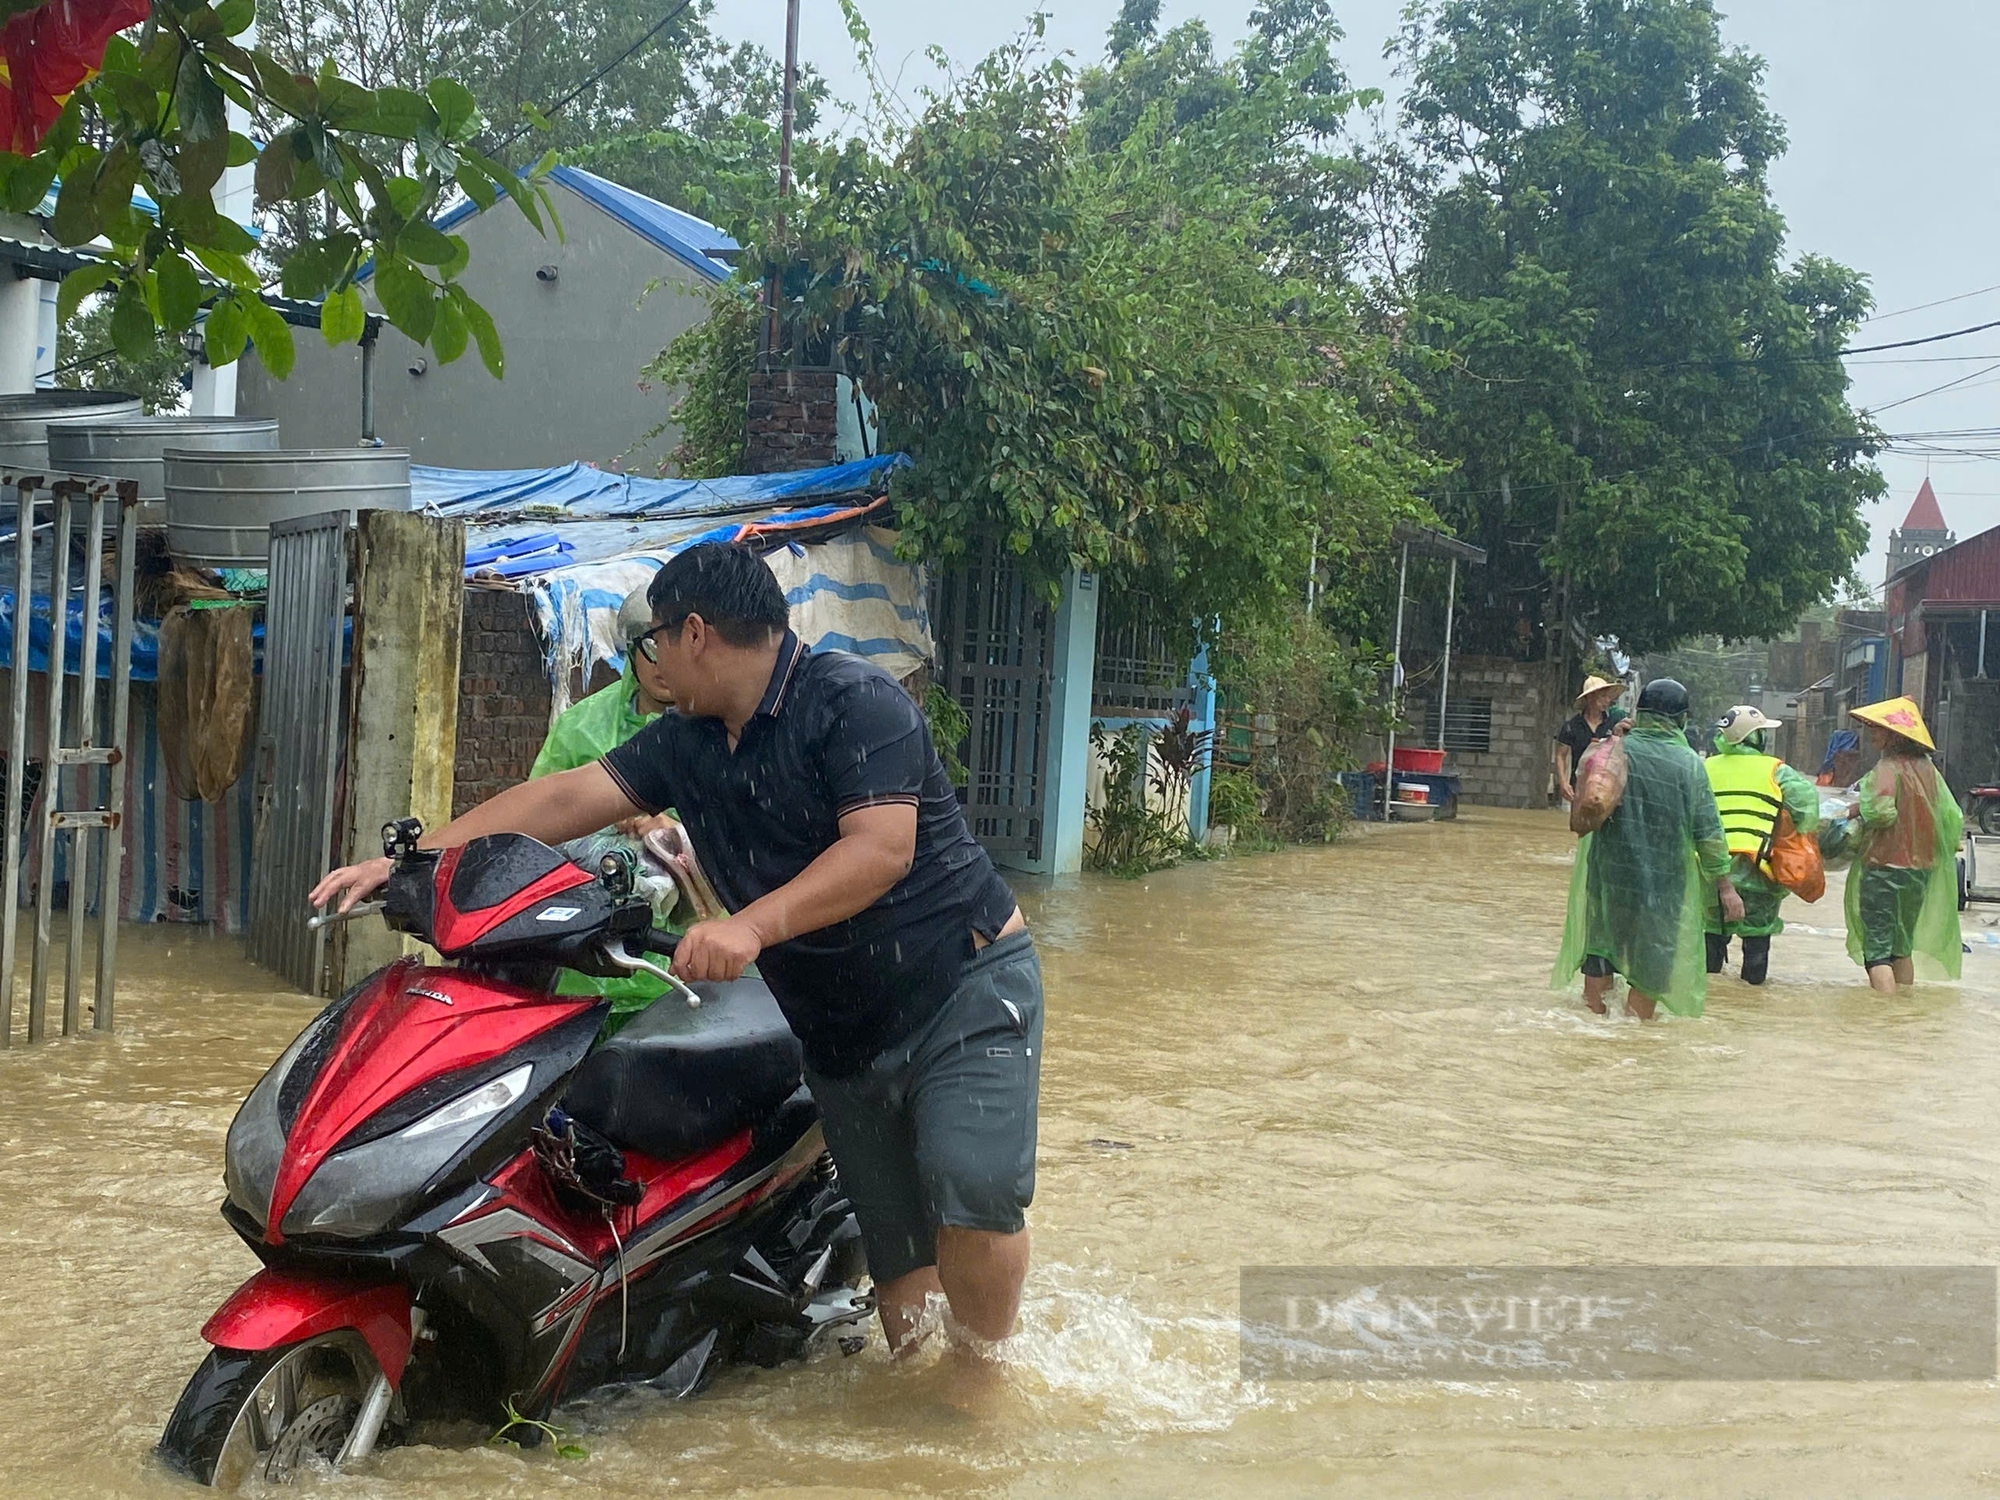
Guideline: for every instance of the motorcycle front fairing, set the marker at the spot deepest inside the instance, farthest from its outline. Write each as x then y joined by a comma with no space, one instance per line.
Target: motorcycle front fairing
397,1094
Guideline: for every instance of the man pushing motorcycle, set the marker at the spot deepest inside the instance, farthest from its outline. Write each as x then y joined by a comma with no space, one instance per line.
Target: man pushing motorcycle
818,804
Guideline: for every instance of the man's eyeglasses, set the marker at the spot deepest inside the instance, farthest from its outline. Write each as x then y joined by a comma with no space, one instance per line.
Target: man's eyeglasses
648,645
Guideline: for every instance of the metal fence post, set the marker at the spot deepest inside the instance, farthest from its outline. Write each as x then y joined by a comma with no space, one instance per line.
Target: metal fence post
83,758
17,748
109,903
38,981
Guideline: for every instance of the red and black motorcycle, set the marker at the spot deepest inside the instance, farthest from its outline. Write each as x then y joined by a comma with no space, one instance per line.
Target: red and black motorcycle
1982,809
469,1208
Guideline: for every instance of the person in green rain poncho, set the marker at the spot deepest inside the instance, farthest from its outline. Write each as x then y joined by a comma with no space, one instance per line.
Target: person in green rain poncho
584,732
1902,892
1641,882
1752,788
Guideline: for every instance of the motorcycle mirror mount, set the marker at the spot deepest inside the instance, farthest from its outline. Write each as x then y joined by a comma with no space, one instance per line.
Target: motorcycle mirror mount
400,837
618,872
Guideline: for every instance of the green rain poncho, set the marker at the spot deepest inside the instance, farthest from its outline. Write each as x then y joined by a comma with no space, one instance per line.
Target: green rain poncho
589,729
1902,892
1638,893
584,732
1762,897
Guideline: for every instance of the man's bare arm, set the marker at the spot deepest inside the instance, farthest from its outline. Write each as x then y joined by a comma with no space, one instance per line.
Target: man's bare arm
566,805
875,850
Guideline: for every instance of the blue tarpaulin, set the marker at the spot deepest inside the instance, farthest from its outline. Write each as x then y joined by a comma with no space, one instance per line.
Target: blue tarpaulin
145,638
581,492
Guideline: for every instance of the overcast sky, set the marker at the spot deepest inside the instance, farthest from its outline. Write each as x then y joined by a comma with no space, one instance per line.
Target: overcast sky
1891,111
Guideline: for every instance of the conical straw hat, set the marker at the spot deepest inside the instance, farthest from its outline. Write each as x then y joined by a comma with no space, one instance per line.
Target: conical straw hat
1597,685
1899,716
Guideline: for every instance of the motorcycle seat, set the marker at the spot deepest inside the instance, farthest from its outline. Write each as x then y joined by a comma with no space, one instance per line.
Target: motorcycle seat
675,1081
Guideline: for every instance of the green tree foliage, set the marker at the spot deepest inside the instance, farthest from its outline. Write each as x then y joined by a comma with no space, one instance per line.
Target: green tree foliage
157,375
686,117
710,366
1086,320
1324,703
376,161
1639,396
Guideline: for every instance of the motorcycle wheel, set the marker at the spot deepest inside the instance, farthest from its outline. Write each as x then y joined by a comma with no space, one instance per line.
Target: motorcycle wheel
1988,818
268,1415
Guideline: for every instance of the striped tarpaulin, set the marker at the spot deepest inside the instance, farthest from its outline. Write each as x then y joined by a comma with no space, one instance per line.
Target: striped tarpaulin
184,861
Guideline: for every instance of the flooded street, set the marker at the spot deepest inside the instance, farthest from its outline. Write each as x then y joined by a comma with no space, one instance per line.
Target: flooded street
1335,1056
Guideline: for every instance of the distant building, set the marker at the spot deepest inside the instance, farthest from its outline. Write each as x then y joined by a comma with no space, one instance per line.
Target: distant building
1943,627
579,315
1922,533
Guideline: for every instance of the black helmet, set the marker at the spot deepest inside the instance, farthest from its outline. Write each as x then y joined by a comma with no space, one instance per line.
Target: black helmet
1664,696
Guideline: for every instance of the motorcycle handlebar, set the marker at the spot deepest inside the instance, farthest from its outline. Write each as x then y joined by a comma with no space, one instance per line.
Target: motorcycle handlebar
328,918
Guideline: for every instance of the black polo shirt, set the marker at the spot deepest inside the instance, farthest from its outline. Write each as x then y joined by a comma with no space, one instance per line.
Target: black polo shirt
1578,735
832,733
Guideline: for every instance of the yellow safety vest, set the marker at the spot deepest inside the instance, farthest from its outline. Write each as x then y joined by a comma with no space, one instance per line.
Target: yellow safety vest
1747,795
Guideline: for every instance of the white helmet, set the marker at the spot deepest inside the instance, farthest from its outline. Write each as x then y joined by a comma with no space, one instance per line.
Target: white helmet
1743,721
635,615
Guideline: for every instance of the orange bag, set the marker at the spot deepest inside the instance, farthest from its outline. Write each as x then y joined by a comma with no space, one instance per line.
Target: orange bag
1600,784
1794,861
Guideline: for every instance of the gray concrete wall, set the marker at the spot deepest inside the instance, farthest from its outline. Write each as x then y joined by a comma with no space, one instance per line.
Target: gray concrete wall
574,346
1526,714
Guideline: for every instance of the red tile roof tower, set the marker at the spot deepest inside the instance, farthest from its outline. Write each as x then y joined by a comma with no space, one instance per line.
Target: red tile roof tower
1922,533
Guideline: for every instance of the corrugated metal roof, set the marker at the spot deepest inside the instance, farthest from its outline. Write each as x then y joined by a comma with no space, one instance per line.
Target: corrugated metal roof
1965,576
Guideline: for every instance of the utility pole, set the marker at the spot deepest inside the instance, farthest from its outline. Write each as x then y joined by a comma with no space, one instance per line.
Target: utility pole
773,272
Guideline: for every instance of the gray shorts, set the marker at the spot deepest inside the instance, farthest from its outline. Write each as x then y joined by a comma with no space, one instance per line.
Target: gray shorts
940,1129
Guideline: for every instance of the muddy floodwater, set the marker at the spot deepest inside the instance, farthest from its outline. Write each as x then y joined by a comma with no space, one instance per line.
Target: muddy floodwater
1341,1056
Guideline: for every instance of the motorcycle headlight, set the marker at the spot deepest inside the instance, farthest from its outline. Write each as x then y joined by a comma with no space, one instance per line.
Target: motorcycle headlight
256,1143
363,1190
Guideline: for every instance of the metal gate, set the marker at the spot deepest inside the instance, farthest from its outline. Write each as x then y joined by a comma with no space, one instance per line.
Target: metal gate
298,742
995,652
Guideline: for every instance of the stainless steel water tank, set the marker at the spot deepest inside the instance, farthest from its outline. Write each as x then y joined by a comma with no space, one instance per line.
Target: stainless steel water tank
220,506
130,447
25,420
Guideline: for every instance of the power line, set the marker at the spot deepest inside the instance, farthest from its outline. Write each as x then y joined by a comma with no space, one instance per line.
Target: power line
1934,338
1934,390
1745,361
1760,359
598,77
1931,359
1924,306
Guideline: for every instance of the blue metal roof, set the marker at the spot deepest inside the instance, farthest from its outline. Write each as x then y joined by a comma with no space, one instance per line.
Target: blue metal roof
683,236
47,207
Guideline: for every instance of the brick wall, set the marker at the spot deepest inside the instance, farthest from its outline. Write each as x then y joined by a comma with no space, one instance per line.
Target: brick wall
1526,712
793,420
503,696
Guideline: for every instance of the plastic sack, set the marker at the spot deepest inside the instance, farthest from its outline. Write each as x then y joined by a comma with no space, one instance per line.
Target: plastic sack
1600,784
1794,861
1837,842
